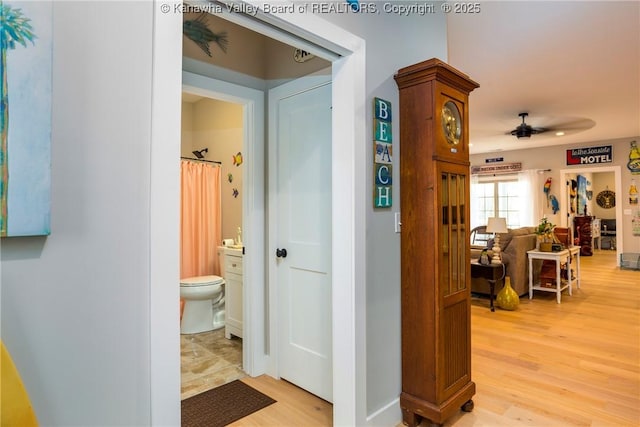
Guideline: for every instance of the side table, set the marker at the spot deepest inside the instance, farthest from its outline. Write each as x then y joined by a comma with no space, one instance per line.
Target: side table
492,273
574,251
559,257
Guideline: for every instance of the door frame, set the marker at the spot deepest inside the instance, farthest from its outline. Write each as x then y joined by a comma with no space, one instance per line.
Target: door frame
564,212
253,207
349,203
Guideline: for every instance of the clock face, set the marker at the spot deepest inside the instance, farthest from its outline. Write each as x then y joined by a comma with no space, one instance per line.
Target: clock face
606,199
451,123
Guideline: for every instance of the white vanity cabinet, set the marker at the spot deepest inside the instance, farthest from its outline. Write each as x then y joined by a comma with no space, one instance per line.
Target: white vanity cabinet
233,292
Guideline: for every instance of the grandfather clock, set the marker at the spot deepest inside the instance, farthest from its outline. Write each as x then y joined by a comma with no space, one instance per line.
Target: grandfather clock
435,265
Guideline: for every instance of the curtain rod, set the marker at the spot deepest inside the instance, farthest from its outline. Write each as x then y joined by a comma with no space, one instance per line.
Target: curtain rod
201,160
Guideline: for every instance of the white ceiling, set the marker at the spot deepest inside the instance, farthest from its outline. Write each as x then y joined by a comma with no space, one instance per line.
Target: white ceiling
562,62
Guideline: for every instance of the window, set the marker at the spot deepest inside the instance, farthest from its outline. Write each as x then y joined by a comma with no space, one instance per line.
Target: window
497,197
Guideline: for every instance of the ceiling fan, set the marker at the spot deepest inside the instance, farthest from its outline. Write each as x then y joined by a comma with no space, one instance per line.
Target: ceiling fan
524,130
560,125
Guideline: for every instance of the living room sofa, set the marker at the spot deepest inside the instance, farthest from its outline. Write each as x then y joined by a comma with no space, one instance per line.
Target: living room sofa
514,246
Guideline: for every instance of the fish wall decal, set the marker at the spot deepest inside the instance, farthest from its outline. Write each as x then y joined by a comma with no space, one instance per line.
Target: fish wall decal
237,159
197,30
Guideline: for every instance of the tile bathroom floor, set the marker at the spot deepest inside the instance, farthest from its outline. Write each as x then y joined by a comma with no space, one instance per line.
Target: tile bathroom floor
208,360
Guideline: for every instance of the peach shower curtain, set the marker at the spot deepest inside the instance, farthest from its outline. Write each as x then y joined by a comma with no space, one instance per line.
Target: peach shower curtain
201,223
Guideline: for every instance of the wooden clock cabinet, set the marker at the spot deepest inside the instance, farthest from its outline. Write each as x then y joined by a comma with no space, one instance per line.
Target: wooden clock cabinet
435,264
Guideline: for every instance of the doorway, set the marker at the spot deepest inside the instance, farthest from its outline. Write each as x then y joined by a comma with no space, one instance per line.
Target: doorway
308,132
564,199
253,203
212,138
305,105
349,202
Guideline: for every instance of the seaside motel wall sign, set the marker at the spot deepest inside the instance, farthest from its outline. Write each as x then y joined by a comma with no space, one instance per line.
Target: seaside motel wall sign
589,156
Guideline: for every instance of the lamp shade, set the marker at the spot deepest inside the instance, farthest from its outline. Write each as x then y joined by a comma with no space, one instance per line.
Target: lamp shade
497,225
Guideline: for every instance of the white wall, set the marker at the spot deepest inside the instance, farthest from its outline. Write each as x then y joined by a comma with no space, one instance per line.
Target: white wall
75,305
186,130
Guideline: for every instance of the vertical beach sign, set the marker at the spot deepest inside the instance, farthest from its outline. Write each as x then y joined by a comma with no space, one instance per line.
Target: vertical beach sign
382,155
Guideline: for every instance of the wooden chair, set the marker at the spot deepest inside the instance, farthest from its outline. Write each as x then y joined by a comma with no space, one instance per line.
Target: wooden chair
480,237
563,235
548,270
15,406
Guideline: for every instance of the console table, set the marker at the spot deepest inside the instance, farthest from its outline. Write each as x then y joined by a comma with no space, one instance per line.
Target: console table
492,273
559,257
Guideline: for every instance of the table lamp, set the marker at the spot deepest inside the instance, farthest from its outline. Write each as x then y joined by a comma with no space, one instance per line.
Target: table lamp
496,226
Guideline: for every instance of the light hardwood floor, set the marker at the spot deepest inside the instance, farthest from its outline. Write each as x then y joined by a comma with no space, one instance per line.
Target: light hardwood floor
294,407
571,364
545,364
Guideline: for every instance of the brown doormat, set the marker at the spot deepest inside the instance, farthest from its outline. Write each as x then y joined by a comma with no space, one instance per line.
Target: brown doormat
222,405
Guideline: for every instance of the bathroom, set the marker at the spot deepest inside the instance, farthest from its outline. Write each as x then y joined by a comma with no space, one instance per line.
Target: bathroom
212,146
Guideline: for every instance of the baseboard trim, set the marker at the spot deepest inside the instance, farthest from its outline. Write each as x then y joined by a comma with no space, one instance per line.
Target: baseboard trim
388,416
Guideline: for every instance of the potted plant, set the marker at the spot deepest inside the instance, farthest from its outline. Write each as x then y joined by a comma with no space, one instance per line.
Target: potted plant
544,231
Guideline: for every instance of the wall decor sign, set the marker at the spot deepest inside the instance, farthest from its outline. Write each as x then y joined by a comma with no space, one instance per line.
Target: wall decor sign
301,56
496,169
589,156
25,97
606,199
382,154
634,159
494,160
635,223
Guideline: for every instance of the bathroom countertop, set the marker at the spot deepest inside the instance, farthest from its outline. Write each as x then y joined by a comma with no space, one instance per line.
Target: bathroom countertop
233,250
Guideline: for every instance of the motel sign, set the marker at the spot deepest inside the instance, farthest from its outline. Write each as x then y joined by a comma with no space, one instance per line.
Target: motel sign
589,156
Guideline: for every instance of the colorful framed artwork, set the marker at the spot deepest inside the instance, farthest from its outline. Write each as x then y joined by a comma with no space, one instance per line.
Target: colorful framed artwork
25,96
582,195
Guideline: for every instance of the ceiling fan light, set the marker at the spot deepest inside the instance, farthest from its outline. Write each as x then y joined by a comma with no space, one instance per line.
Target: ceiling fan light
560,133
522,131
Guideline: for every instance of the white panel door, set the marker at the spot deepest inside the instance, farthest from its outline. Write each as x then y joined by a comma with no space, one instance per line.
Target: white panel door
303,229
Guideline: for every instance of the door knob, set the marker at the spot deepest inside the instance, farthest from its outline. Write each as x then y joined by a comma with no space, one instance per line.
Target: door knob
281,253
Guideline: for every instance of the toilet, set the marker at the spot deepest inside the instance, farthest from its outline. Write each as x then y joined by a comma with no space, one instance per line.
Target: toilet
204,304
